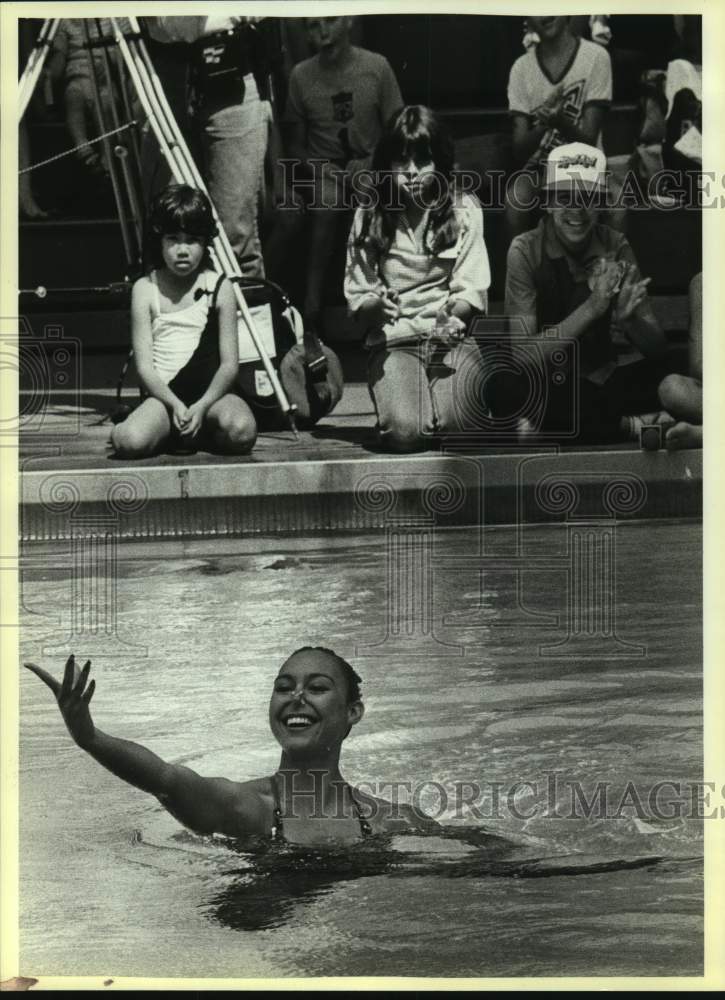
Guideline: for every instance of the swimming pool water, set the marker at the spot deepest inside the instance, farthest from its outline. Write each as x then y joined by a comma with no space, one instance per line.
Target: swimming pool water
110,885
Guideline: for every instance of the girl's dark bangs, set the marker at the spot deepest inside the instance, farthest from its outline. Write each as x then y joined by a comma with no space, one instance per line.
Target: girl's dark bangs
186,219
417,146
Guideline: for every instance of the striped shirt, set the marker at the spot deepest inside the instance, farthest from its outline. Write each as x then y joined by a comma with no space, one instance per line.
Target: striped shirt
424,281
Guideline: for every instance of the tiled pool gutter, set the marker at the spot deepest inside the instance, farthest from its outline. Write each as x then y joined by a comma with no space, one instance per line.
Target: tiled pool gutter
333,495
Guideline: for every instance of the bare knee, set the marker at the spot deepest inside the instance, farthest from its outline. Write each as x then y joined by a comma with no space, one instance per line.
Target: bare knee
130,442
236,433
405,435
673,390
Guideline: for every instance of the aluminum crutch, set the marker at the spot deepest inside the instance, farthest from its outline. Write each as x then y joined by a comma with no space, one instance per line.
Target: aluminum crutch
34,66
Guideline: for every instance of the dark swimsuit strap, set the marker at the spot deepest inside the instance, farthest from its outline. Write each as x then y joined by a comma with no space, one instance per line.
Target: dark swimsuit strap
277,831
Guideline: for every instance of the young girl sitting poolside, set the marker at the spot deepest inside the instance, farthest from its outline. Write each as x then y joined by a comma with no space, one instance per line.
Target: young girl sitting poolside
417,271
184,335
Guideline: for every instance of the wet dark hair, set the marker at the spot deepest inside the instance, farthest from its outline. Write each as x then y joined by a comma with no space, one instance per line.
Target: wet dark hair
179,208
414,132
353,679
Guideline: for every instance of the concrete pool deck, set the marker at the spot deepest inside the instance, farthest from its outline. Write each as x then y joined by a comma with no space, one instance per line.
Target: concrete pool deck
331,479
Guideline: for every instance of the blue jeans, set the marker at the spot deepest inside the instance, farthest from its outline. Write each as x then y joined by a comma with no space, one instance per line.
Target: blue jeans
420,395
234,141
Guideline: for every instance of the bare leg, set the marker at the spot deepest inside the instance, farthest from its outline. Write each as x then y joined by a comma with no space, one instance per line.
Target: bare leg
683,435
682,397
29,208
143,431
78,106
231,426
684,394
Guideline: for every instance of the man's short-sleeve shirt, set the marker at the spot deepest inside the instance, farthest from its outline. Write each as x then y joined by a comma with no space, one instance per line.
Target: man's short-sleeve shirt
586,81
523,269
343,109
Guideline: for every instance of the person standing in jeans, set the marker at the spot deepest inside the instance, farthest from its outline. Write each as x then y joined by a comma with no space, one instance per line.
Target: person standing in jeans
231,121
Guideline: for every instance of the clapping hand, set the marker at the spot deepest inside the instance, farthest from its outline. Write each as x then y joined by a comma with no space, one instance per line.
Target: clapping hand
548,112
631,295
604,282
73,698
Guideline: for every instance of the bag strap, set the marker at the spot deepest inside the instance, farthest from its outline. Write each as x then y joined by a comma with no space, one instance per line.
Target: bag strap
215,291
315,361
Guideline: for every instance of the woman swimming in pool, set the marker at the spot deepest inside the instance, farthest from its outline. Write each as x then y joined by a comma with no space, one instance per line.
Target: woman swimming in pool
315,703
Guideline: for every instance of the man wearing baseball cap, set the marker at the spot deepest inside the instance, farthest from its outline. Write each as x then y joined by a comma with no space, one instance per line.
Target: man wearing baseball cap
576,275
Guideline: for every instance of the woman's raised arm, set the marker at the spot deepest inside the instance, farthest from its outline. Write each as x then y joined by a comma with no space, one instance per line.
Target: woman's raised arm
206,805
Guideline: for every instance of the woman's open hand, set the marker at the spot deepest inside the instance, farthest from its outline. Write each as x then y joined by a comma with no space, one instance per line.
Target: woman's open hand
73,698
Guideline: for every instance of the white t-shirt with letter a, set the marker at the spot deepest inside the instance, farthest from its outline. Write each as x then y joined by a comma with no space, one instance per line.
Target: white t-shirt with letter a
586,80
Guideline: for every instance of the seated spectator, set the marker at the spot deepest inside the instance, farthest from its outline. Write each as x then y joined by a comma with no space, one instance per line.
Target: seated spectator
681,395
581,277
558,92
338,103
184,335
29,207
417,271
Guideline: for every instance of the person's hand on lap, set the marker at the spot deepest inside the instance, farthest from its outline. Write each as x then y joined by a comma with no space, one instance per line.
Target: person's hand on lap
194,420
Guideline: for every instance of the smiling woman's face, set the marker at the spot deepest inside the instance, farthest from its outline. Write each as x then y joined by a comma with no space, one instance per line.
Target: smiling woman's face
309,709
